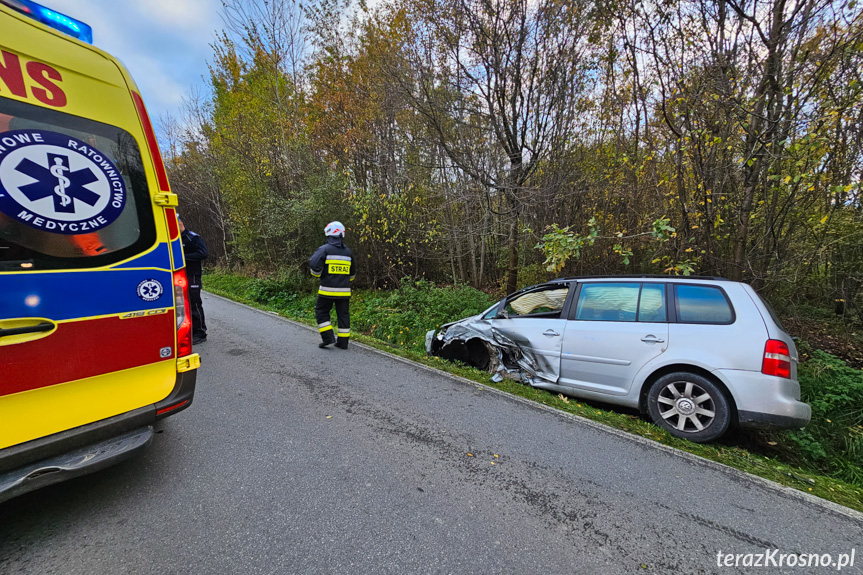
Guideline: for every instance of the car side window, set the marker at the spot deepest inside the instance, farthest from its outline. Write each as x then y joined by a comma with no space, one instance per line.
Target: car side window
703,304
608,302
651,304
542,303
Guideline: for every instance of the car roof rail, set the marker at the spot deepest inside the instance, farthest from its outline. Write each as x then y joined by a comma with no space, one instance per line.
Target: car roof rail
641,276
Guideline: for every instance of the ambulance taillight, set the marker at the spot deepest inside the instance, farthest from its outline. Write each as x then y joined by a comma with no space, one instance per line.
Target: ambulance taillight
183,312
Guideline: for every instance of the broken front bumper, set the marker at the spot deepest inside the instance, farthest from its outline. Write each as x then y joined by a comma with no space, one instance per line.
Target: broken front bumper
478,344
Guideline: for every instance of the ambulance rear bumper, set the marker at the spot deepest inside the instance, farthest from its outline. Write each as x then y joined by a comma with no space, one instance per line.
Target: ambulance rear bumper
74,463
90,447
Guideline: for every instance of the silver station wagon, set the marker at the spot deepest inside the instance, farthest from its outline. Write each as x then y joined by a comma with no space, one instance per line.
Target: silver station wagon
697,354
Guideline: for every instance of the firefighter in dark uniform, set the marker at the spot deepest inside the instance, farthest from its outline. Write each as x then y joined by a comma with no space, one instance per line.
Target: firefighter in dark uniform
332,262
195,251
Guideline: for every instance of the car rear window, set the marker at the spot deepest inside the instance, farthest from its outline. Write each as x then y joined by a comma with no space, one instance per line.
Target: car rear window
73,192
702,304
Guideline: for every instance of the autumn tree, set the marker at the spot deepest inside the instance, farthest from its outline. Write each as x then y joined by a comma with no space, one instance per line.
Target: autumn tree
508,73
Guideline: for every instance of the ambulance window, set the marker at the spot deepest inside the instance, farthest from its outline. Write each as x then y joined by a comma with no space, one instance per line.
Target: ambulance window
73,192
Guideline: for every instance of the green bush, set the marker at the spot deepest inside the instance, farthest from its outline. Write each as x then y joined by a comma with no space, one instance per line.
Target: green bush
228,283
403,316
832,443
289,292
281,291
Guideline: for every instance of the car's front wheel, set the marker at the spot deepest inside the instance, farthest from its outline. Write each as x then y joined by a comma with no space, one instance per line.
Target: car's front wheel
690,406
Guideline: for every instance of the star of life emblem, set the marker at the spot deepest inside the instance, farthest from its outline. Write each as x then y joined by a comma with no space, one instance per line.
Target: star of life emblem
53,182
150,290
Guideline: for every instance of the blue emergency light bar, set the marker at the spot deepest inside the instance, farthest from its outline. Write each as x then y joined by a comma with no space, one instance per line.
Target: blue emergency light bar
52,18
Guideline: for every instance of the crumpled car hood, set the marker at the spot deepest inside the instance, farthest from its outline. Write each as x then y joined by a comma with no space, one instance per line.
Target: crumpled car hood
505,356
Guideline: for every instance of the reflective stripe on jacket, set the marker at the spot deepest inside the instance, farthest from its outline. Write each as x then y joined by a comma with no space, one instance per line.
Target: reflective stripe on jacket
334,264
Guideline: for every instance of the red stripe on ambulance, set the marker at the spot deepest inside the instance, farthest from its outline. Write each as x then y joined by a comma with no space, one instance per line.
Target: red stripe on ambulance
72,352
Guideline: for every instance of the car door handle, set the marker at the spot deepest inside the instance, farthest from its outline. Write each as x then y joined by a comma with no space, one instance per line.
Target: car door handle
44,326
652,339
550,333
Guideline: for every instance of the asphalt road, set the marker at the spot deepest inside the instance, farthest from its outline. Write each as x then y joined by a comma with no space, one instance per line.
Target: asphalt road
294,459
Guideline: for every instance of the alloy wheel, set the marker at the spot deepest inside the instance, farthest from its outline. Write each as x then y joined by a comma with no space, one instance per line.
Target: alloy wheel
686,406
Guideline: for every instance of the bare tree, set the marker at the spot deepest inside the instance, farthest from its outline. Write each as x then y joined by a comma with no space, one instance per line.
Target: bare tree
508,73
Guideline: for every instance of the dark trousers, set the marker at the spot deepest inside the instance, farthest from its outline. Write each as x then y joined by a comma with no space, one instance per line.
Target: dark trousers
322,316
199,324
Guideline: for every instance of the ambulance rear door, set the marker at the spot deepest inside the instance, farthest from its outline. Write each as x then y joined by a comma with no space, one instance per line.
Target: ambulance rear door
87,321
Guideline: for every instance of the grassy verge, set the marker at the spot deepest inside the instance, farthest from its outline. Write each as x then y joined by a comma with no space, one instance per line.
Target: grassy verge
824,459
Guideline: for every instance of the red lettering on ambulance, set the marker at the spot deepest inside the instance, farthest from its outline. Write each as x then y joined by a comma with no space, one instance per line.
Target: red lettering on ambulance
50,93
11,74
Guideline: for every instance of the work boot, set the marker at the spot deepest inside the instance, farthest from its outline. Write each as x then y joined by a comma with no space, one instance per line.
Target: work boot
342,343
324,344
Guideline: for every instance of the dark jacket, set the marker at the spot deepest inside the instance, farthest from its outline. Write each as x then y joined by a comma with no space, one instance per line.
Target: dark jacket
195,251
334,264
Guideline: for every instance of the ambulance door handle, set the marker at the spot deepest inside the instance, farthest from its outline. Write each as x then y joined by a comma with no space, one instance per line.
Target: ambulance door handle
44,326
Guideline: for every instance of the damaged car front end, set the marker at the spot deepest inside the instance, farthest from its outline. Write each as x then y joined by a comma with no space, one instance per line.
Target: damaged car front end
496,341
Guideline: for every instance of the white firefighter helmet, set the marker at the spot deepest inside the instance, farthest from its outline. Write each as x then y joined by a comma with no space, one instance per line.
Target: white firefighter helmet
335,229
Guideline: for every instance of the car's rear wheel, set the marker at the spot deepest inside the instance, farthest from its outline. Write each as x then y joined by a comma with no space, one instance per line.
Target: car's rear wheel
690,406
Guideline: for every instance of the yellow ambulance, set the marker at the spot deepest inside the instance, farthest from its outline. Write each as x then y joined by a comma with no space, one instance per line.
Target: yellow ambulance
95,326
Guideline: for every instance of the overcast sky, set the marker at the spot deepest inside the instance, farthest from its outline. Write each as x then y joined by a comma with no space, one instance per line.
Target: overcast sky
165,44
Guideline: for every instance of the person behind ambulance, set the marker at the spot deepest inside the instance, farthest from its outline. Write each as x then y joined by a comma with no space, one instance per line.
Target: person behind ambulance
332,262
195,251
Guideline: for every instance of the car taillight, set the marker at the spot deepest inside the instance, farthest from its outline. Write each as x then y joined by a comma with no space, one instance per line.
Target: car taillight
183,312
777,359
